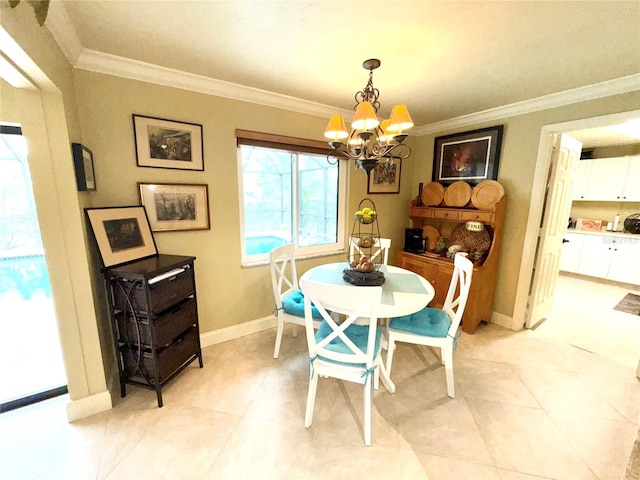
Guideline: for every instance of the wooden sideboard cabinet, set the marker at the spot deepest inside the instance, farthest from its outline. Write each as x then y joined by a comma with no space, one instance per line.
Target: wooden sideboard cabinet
154,317
438,270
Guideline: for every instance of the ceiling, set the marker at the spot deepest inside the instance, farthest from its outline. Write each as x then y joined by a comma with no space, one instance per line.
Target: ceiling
445,60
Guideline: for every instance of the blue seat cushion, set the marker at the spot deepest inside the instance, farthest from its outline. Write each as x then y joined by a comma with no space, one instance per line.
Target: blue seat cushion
430,322
358,334
293,304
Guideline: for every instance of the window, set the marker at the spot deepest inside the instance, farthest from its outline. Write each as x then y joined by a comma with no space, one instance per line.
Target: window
289,193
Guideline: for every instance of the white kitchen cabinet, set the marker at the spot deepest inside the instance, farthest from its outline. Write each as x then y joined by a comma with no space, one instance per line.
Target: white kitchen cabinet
571,251
581,181
613,258
595,256
614,179
631,191
625,261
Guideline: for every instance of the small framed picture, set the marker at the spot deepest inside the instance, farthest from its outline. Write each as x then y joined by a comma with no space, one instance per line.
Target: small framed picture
162,143
385,176
83,162
122,234
176,206
470,156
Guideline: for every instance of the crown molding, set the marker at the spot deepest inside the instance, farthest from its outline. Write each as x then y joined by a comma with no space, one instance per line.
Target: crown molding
630,83
60,26
147,72
136,70
65,35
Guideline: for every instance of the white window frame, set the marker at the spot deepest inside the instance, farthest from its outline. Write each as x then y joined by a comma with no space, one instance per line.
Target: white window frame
293,145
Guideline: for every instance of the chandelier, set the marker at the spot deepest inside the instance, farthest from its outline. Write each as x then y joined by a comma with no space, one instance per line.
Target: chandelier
369,140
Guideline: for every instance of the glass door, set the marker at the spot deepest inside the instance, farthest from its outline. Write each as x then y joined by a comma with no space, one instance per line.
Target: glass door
31,364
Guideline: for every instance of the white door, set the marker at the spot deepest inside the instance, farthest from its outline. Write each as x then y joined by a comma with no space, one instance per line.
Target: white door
557,205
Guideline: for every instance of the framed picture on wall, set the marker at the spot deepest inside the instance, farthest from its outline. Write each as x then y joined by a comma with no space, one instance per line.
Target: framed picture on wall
175,206
122,234
385,176
83,163
162,143
470,156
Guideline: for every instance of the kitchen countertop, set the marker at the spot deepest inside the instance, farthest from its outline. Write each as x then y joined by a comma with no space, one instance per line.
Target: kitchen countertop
604,234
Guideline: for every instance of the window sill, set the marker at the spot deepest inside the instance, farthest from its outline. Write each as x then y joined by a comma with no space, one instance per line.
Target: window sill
258,263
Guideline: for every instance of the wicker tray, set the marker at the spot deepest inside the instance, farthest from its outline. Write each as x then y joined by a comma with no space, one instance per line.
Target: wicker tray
458,194
370,279
432,194
486,194
432,234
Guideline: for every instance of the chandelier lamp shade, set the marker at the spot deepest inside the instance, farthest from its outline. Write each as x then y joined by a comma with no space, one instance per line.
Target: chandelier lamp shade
369,140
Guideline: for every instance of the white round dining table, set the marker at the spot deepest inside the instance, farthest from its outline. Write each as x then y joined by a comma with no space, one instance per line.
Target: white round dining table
403,292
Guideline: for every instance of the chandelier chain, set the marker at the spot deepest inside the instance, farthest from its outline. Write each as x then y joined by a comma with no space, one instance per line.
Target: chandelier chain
368,94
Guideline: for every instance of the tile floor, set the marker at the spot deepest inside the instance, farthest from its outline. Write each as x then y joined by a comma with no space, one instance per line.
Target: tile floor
559,402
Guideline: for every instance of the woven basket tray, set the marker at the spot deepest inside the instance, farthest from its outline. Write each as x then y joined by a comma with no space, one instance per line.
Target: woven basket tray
471,241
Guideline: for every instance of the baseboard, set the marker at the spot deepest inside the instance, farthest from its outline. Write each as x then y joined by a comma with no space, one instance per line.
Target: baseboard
87,406
503,320
236,331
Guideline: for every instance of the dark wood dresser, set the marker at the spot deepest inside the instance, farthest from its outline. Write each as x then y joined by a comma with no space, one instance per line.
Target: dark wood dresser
154,316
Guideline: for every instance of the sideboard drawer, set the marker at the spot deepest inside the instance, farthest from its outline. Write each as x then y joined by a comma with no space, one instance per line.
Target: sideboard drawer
420,212
446,214
476,216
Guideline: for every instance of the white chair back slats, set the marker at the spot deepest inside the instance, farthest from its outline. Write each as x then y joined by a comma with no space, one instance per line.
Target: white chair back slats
357,304
283,272
460,283
289,306
380,250
348,349
436,327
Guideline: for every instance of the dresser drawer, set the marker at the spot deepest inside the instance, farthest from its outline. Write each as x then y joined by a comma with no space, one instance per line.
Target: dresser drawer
170,359
167,326
162,294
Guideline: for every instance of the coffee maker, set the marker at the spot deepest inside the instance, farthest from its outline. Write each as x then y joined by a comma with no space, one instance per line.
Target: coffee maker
413,241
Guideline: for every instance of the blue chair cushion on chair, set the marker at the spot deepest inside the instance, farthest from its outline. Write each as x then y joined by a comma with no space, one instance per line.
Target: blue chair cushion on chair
293,304
358,334
430,322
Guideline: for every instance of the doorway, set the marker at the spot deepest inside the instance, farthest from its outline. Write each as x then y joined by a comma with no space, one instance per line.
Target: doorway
31,364
586,130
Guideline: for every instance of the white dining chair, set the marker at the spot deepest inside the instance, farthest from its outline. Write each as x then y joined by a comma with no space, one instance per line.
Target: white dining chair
435,327
286,292
343,350
380,250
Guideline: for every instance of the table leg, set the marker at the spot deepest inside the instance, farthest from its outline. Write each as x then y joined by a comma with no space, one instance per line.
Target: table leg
386,379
